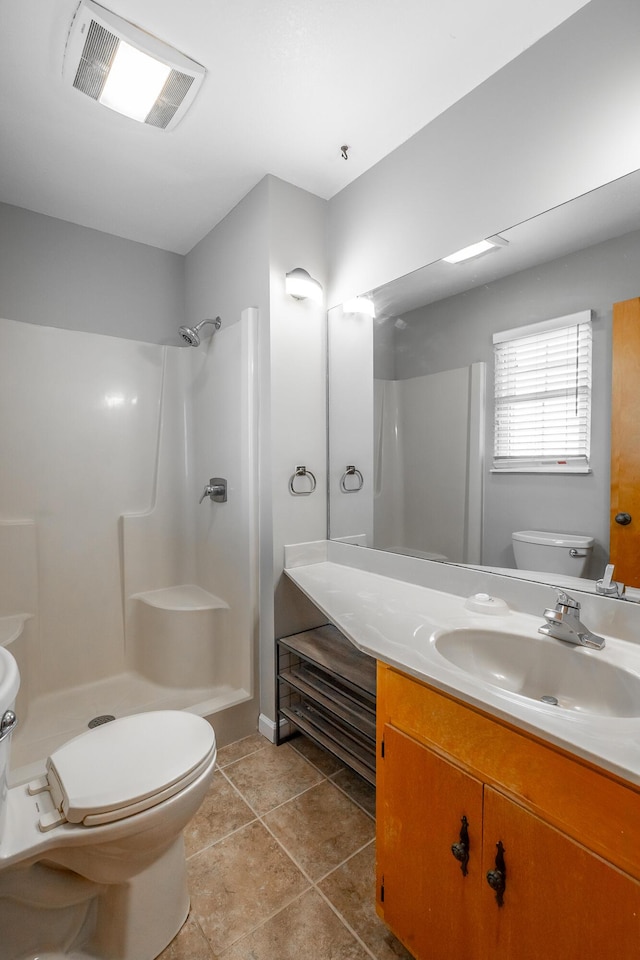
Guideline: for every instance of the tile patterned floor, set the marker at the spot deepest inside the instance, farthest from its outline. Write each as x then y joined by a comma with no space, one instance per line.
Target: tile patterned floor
281,861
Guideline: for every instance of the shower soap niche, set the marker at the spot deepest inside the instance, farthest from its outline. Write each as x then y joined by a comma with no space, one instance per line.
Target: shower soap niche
177,631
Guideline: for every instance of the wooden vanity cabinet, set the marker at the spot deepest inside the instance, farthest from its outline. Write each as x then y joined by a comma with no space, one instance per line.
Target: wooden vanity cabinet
568,835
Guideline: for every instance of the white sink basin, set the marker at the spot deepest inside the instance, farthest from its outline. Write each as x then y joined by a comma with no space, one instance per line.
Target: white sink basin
537,668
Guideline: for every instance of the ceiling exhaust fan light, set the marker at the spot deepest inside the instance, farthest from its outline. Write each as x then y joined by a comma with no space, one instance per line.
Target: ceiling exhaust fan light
127,69
134,82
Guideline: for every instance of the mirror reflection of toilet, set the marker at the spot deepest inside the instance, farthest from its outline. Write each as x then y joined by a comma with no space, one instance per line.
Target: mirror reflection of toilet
92,856
549,552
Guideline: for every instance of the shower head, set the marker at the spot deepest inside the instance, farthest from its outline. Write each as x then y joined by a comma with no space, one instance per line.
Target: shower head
191,335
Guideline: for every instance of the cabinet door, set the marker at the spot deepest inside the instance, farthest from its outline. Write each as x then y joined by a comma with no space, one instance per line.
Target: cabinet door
560,900
431,906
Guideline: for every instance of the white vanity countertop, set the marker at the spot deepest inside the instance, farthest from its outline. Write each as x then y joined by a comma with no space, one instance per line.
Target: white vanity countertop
397,622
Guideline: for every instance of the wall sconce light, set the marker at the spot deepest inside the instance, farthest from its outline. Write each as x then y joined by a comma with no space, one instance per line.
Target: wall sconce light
360,305
300,285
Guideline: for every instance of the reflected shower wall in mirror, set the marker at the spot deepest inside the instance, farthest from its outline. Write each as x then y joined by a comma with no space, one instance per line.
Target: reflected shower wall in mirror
403,411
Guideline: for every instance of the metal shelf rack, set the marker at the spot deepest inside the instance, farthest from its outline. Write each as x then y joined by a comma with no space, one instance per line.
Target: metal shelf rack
326,689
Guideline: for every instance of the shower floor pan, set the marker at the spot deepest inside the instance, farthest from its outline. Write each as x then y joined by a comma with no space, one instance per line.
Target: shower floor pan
57,717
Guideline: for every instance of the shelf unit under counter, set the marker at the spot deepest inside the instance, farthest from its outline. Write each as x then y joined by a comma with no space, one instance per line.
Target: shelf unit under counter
326,689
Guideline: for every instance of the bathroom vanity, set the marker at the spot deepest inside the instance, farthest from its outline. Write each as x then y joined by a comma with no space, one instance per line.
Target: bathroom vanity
494,843
508,763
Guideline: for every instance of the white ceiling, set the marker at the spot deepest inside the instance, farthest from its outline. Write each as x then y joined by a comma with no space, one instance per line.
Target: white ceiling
288,82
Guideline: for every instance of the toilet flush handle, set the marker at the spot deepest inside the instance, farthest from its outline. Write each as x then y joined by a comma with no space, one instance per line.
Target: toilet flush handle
7,724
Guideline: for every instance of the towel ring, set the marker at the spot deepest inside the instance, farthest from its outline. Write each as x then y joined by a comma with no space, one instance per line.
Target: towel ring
301,472
351,471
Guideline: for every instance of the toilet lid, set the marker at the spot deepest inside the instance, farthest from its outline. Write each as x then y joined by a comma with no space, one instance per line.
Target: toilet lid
128,765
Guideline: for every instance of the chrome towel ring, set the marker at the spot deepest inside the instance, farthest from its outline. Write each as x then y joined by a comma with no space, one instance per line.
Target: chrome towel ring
301,472
351,471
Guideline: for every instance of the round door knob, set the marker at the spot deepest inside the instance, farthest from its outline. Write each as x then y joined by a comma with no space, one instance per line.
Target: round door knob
623,519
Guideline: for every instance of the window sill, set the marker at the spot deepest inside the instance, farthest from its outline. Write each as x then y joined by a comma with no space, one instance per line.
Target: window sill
557,471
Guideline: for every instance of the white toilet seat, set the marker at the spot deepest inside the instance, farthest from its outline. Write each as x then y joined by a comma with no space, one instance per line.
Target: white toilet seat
124,767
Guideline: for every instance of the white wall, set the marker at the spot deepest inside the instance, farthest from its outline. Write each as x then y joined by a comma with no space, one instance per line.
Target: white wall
298,421
552,124
229,269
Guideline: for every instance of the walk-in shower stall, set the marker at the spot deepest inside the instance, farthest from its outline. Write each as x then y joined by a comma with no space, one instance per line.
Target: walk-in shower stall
122,587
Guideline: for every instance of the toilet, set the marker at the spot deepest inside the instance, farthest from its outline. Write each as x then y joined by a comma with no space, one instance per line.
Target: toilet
92,861
549,552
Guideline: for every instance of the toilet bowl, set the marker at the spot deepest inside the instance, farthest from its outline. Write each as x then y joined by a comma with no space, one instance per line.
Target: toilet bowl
549,552
92,859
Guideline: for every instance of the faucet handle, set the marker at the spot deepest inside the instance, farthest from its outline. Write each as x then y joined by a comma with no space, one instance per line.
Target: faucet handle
608,587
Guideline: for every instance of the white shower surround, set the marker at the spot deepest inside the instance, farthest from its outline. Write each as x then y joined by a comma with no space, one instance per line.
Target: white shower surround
429,462
106,447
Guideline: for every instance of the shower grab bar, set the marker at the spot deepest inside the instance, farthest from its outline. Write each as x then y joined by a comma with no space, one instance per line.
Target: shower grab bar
351,471
301,471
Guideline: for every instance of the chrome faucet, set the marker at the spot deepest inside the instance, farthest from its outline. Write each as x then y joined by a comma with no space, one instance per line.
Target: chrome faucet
563,623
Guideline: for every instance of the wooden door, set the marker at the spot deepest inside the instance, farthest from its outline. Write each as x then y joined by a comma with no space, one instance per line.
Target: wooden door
624,550
427,901
561,902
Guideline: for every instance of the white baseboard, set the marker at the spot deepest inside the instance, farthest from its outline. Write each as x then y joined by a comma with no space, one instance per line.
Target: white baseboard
267,728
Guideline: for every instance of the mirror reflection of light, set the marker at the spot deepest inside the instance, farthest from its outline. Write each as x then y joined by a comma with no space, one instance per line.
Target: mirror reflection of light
115,400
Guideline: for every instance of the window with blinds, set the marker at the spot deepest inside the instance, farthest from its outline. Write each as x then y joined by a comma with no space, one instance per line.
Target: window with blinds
543,396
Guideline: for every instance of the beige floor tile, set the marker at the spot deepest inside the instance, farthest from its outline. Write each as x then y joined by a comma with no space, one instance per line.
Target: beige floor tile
320,758
190,944
239,882
320,828
358,789
351,889
272,776
306,930
221,812
241,748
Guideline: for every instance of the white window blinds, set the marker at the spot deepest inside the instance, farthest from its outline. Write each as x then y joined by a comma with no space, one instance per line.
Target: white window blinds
543,396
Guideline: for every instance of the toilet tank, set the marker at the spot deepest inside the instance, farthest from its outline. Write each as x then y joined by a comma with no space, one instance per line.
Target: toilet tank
550,552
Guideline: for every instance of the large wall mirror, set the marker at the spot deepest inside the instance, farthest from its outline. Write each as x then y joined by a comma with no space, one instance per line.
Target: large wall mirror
411,391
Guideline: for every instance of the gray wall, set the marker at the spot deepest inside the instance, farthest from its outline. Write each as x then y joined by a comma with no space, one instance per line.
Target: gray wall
458,331
554,123
228,269
58,274
242,263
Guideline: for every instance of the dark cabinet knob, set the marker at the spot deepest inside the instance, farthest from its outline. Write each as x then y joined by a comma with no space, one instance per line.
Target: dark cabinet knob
623,519
460,850
497,878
